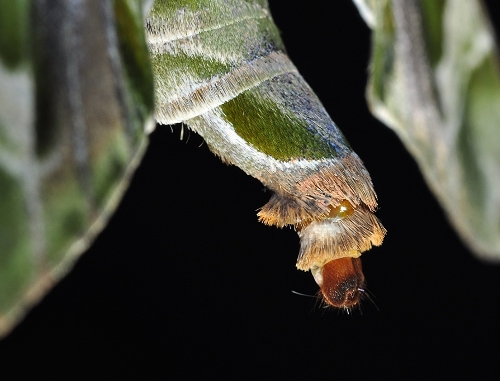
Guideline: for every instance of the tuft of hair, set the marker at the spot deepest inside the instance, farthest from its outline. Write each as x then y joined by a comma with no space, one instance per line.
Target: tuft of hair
308,192
333,238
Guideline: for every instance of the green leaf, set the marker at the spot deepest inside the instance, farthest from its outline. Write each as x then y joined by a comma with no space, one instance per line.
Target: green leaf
435,81
74,108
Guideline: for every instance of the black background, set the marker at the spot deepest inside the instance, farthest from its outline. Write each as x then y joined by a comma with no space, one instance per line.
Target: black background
185,282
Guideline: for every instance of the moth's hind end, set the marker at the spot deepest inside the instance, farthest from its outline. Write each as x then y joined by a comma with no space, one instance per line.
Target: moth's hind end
341,282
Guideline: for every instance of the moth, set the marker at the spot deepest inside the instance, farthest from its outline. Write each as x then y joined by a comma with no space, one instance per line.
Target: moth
78,84
237,88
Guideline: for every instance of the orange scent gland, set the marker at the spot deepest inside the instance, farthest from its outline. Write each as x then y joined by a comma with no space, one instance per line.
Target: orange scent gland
343,210
342,282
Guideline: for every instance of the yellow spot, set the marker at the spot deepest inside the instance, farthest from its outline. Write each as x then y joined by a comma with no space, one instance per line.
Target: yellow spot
343,210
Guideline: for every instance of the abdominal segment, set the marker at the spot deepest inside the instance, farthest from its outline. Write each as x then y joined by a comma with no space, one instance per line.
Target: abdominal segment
331,247
341,282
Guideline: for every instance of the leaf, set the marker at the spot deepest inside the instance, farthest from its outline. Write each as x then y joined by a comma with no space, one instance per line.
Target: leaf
435,81
74,109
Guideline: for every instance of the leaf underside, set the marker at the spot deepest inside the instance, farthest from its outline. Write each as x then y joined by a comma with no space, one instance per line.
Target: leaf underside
435,81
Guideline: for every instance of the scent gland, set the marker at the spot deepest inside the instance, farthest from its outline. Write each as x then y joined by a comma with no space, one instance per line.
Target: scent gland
342,282
343,210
